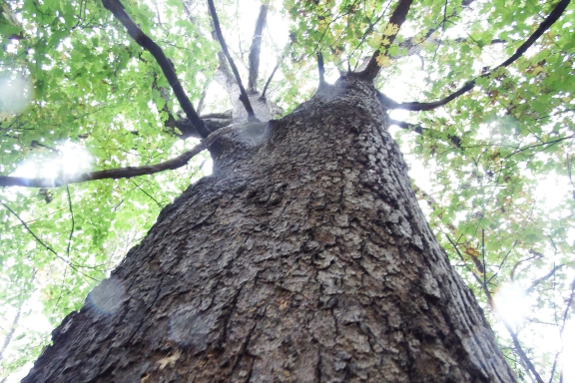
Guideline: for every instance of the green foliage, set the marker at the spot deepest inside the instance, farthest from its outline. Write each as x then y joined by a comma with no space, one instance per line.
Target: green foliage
97,91
493,154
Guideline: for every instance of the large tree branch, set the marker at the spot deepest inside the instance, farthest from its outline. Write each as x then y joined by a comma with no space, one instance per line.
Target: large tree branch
243,94
544,26
255,49
128,172
391,30
145,42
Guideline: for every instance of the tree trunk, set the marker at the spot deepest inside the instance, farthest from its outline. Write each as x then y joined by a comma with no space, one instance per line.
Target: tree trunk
304,258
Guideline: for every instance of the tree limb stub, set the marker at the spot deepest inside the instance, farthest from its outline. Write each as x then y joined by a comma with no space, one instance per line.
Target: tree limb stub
128,172
544,26
255,50
406,125
395,22
243,96
147,43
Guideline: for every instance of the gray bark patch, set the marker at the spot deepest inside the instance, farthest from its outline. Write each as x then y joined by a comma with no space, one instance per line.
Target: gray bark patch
190,328
108,296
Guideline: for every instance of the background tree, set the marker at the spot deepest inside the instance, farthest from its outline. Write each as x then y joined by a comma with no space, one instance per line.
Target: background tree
98,85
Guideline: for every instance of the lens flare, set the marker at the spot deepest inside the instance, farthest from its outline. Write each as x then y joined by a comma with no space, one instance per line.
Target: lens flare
68,162
511,304
15,94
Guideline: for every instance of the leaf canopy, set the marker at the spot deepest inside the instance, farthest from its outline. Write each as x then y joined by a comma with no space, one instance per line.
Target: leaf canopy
497,186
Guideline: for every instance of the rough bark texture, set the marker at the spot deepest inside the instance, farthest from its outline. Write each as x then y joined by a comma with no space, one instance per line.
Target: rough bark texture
305,258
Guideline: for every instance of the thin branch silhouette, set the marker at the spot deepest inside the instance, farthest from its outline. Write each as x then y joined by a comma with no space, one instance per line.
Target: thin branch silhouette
47,247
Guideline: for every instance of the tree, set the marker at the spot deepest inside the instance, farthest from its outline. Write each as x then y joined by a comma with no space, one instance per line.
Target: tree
306,256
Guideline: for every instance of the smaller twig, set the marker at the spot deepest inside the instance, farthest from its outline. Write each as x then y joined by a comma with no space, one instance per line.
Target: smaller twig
73,223
502,262
269,80
487,293
203,97
543,278
444,15
148,195
554,365
483,256
529,147
47,247
514,268
61,289
522,355
35,143
12,330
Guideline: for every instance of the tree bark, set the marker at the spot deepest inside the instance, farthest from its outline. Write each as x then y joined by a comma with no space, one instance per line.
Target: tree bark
304,258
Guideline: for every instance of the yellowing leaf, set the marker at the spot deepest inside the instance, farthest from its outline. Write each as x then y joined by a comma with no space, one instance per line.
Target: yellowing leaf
383,61
391,29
